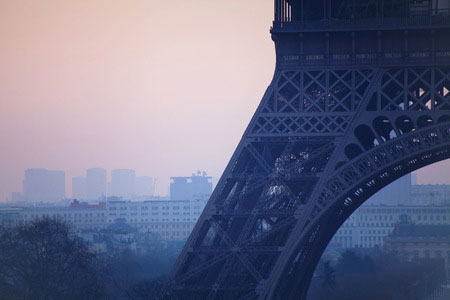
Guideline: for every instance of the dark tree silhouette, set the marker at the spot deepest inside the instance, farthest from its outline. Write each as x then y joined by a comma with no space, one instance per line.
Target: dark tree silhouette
328,276
350,262
157,289
43,259
380,276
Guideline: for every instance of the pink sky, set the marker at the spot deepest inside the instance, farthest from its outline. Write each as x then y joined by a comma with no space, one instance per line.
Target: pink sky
162,87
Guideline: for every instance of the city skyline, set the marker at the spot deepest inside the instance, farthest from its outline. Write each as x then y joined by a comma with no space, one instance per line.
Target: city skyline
100,92
143,185
49,186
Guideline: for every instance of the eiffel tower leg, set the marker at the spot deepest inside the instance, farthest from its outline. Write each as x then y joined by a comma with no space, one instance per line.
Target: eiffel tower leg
330,131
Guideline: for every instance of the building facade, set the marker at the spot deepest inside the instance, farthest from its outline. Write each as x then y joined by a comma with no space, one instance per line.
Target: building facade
369,226
430,194
197,186
418,241
171,220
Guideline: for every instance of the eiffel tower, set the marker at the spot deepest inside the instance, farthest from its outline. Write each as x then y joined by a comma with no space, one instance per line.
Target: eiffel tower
359,98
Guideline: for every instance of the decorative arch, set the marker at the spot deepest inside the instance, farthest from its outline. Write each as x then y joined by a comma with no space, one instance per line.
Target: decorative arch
348,188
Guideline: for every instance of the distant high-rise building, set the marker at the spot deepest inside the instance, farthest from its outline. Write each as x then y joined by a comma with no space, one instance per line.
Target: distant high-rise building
41,185
95,183
79,187
396,193
143,186
122,183
189,188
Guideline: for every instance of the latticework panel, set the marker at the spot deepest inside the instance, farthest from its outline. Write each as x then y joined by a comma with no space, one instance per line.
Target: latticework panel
320,143
412,89
303,102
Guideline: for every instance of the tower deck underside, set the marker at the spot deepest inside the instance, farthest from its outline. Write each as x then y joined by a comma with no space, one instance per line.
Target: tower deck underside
349,110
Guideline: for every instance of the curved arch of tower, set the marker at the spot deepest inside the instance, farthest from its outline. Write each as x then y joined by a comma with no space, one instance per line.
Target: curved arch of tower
359,98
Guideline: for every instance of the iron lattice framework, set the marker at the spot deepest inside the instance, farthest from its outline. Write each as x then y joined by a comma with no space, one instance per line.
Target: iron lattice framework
353,105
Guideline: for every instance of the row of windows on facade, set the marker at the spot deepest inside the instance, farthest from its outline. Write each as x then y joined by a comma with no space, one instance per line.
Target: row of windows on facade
156,226
438,215
88,218
156,214
407,211
75,215
171,234
155,208
390,218
369,225
385,225
426,244
362,238
146,226
175,233
374,232
156,220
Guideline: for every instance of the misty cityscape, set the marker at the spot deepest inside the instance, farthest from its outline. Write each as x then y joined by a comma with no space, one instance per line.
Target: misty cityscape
49,186
222,150
123,217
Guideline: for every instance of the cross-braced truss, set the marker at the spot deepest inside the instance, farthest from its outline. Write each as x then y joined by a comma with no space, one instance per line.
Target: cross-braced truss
324,138
320,143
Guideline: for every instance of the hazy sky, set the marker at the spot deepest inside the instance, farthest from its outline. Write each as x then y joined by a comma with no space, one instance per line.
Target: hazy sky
162,87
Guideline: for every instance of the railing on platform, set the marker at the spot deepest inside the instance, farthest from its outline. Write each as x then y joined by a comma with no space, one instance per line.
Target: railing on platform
283,22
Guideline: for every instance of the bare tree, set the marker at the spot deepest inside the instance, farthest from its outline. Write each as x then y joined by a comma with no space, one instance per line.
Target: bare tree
43,259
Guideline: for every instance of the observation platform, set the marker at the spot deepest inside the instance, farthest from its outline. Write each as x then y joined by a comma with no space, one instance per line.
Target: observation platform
361,32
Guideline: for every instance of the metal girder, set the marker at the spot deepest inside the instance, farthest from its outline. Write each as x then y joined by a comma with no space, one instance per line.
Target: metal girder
264,216
322,141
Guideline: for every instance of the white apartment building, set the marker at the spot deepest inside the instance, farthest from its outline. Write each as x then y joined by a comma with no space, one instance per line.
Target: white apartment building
79,215
172,219
370,225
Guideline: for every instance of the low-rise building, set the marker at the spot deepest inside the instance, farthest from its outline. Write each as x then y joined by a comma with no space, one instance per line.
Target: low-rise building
171,220
79,214
368,226
418,241
10,215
